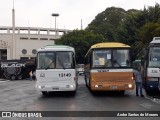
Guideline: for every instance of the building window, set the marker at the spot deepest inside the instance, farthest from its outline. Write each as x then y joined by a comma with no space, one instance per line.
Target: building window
43,38
3,54
24,58
32,58
51,39
34,51
23,38
33,38
24,51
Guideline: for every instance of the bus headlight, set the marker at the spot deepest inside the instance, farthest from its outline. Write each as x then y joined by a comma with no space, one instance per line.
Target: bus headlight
41,87
130,85
98,86
71,86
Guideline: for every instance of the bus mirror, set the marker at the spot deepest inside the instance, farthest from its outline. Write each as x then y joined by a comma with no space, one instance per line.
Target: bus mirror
85,60
142,60
132,56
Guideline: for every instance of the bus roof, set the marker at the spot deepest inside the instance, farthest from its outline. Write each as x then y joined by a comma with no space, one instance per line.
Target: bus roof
56,48
155,40
108,45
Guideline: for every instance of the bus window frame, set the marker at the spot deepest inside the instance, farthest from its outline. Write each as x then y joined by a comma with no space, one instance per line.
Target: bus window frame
73,59
118,48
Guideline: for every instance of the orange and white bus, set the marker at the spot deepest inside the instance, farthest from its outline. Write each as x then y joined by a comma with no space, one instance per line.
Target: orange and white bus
108,67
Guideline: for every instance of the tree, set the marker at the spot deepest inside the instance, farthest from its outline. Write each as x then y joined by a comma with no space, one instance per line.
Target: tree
81,40
148,31
129,27
107,22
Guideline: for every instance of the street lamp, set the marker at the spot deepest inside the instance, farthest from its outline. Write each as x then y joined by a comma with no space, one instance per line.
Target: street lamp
13,50
55,15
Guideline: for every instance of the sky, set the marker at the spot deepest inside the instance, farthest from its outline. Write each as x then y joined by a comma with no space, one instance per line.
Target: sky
37,13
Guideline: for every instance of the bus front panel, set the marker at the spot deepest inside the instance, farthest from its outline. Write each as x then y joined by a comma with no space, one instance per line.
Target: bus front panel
111,80
56,80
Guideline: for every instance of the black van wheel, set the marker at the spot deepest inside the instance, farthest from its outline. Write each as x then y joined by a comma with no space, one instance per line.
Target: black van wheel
13,77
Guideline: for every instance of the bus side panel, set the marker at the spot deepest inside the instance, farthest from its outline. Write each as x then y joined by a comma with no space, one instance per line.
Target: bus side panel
112,81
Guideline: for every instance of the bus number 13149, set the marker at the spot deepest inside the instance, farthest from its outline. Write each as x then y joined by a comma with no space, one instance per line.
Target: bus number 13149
65,75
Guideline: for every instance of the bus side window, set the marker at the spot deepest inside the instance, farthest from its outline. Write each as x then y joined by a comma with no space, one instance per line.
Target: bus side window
88,59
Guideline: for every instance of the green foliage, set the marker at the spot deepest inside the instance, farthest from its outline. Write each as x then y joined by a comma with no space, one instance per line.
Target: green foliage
107,22
148,31
133,27
81,40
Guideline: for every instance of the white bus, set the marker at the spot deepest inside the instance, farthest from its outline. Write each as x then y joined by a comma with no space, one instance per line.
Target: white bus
151,66
56,69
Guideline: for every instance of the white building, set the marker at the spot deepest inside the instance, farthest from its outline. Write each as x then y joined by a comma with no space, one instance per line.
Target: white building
23,43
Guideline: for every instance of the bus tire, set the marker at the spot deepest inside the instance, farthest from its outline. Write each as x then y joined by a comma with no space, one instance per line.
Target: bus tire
12,77
122,92
73,92
85,78
148,92
89,84
44,93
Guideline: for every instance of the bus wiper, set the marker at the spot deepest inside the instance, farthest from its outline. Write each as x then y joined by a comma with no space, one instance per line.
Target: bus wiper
63,67
49,65
116,63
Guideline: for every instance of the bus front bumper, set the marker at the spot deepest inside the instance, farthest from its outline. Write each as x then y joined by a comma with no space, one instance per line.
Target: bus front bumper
152,85
112,87
70,87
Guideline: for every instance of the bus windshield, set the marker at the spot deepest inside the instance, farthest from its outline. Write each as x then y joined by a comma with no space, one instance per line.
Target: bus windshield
105,58
55,60
154,57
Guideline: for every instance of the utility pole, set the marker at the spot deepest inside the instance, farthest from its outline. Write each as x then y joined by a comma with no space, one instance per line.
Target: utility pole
13,50
55,15
81,25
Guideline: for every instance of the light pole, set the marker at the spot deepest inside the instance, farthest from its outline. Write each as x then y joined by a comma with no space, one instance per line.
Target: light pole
13,50
55,15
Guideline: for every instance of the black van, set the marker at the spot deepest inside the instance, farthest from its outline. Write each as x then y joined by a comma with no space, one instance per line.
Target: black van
16,69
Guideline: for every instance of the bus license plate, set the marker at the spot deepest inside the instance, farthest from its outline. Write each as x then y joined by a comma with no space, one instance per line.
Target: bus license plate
113,87
55,88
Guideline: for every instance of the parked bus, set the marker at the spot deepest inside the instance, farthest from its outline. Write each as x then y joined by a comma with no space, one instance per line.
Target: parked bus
108,67
151,65
80,69
56,69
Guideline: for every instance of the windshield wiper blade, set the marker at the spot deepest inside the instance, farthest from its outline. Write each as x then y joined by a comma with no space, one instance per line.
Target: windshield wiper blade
117,63
49,65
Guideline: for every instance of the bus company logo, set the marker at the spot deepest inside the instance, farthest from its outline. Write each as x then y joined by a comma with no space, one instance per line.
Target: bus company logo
103,70
6,114
42,75
12,65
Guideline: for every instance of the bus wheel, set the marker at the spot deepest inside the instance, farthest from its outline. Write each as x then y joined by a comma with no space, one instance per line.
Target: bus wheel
85,80
45,93
20,77
148,92
13,77
73,92
122,92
